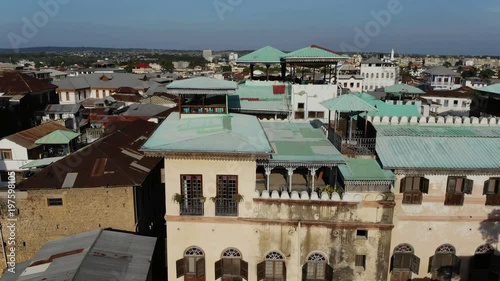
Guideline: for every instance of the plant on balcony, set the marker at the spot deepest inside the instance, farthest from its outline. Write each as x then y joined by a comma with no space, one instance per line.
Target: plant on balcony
203,199
177,198
214,199
237,198
331,189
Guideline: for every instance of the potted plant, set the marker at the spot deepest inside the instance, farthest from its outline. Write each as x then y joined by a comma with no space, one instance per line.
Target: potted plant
177,198
214,199
237,198
202,199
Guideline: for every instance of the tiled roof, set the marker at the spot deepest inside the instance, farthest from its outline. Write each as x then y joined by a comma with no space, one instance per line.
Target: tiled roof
264,55
221,133
438,147
347,103
14,83
113,160
28,137
357,169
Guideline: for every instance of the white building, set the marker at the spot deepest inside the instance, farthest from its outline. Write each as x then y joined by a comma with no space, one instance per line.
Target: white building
233,57
207,54
378,74
180,64
351,83
443,78
306,101
453,102
475,82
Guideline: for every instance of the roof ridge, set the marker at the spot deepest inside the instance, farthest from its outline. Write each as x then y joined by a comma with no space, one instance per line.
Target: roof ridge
87,254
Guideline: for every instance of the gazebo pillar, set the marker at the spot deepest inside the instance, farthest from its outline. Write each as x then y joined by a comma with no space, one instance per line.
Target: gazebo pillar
267,71
313,176
283,71
335,73
290,175
251,71
268,174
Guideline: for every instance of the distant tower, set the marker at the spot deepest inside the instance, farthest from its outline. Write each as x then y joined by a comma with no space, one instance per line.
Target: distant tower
392,55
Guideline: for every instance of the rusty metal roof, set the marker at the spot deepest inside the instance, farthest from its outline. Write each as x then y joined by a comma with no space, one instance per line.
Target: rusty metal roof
14,83
113,160
28,137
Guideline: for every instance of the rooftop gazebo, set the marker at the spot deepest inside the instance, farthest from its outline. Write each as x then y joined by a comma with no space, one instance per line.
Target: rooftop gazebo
315,57
58,143
202,95
402,90
266,56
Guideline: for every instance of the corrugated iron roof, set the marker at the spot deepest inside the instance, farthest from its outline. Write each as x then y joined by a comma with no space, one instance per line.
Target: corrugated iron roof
399,89
347,103
27,138
116,170
492,89
14,83
357,169
441,70
266,54
58,137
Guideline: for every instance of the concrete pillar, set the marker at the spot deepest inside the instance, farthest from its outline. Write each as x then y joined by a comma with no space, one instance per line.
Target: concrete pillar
290,174
268,173
312,172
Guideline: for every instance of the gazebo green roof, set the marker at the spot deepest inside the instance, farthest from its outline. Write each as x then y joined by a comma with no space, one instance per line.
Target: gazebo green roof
399,89
492,89
314,54
202,86
58,137
347,103
387,109
267,54
357,169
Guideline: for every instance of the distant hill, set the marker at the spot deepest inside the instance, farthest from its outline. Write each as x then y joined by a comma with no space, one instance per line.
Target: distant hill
89,49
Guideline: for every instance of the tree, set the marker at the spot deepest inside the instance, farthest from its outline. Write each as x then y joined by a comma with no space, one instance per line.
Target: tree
459,63
410,63
227,68
447,64
199,61
166,66
486,74
472,72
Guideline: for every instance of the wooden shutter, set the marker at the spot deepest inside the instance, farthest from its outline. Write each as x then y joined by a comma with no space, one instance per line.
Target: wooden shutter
416,198
407,198
415,264
450,187
486,187
261,271
406,260
424,185
402,185
284,271
401,276
200,267
391,266
328,273
431,264
397,260
456,262
179,266
244,269
304,272
218,269
468,185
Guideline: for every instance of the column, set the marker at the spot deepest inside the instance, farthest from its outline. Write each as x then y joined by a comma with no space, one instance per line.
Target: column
267,71
251,71
268,173
312,172
290,174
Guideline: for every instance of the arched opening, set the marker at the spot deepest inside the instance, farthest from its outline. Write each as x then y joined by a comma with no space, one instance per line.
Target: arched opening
404,262
317,268
444,264
273,267
231,266
484,263
192,265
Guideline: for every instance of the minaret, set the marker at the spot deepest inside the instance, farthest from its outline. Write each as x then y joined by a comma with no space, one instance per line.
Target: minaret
392,55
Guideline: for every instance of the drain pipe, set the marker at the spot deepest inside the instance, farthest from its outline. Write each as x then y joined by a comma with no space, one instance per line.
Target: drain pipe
299,278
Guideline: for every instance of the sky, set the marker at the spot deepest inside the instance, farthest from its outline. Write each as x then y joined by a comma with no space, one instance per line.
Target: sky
450,27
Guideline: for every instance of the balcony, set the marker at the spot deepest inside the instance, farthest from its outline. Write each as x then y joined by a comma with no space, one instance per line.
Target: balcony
493,199
226,207
454,199
191,207
203,109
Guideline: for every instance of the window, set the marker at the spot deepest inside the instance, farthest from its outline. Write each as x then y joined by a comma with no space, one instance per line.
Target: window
439,80
4,176
376,76
6,154
455,190
192,266
444,262
352,84
438,101
357,85
345,84
317,268
413,188
299,115
361,234
67,96
273,268
392,75
482,261
446,80
455,103
464,104
492,191
300,105
227,196
231,266
360,263
54,202
316,114
191,201
371,76
404,262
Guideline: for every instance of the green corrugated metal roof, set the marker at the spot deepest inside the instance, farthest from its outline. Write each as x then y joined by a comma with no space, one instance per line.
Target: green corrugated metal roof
233,133
364,170
267,54
41,162
263,91
202,85
438,147
492,89
58,137
385,109
403,88
314,52
347,103
300,142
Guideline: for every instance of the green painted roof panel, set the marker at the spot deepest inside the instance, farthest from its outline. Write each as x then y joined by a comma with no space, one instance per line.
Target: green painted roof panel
259,96
266,54
385,109
364,170
201,84
314,52
492,89
347,103
58,137
399,89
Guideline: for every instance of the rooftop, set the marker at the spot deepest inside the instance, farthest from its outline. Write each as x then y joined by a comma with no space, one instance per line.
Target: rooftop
357,169
387,109
462,92
106,81
492,89
62,108
113,160
347,103
259,96
314,54
300,142
58,137
441,70
399,89
201,85
226,134
263,55
372,60
99,255
14,83
27,138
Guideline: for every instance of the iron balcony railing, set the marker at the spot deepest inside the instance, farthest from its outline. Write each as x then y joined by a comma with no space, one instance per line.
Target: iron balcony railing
359,146
191,207
226,207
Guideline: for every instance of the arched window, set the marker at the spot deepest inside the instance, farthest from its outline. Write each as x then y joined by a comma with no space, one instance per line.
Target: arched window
485,249
404,262
444,263
192,266
317,268
231,266
483,259
273,267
